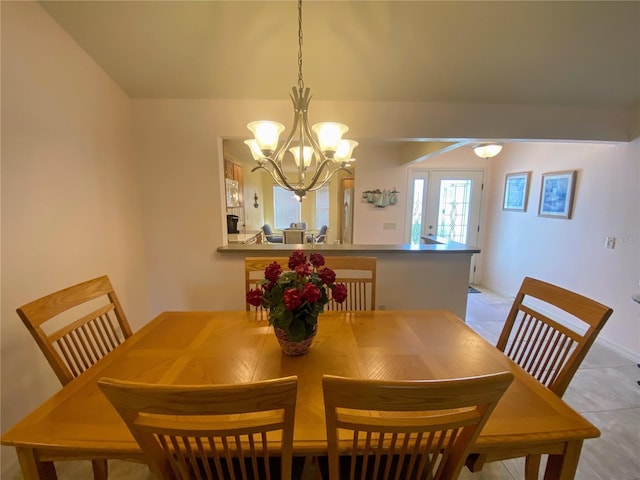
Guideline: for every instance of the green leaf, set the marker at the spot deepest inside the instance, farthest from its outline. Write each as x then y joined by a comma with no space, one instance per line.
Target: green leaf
297,332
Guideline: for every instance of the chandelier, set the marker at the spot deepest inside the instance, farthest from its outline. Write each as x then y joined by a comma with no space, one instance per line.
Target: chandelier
316,158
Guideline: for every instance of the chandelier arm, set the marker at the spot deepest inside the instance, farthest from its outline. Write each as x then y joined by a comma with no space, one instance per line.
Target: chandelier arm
305,126
280,178
319,171
331,173
279,154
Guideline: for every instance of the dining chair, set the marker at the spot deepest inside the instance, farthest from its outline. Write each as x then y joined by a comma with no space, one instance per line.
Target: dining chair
548,332
321,236
75,327
269,235
185,432
293,235
358,274
378,429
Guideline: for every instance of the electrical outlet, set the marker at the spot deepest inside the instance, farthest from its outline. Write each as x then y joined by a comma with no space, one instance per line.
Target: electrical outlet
610,242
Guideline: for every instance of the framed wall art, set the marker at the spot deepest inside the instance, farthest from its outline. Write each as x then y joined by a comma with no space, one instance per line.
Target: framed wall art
233,199
516,191
556,194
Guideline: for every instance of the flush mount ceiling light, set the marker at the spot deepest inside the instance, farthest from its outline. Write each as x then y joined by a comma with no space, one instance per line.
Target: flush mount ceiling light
318,157
487,150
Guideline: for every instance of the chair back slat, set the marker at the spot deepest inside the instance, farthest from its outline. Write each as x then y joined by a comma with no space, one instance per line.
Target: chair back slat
84,338
357,273
551,349
405,430
210,432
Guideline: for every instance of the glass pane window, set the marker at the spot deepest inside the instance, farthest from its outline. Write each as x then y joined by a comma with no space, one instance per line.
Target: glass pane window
286,208
453,216
322,206
416,210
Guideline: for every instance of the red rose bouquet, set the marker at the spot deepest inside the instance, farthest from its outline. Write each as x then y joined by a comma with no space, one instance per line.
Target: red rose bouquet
295,298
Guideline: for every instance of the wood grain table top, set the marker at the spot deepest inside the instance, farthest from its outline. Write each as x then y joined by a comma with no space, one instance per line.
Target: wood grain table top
234,347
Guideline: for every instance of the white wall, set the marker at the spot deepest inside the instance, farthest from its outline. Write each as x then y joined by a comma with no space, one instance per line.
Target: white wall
379,168
572,252
70,198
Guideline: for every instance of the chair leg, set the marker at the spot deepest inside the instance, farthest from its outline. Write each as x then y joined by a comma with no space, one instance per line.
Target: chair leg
100,469
532,467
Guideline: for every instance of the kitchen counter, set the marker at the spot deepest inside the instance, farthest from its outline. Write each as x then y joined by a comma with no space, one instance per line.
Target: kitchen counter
249,238
437,246
432,276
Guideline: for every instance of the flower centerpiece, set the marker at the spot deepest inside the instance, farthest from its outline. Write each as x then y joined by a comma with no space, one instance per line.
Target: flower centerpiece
296,297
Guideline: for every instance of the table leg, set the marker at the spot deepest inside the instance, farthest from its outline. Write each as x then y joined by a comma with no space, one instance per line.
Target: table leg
32,469
563,467
100,469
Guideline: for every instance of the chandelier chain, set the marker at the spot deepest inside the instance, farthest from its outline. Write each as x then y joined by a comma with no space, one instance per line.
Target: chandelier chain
300,80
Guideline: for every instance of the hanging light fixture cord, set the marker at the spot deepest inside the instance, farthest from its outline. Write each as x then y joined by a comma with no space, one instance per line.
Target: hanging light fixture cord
300,79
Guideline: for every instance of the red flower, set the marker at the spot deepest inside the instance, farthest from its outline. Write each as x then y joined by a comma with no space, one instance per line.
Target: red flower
311,293
327,276
292,298
303,270
254,297
272,272
316,259
339,292
296,258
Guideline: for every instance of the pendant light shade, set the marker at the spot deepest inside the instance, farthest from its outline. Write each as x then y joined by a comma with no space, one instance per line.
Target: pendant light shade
266,134
487,150
307,153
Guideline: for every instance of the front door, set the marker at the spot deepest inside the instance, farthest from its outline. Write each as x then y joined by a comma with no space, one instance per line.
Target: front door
446,204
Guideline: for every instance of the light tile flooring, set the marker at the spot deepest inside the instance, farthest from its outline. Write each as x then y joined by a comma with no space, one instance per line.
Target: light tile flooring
604,390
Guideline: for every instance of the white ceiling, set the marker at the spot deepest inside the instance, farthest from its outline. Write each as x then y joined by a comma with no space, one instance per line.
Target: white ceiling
577,53
550,53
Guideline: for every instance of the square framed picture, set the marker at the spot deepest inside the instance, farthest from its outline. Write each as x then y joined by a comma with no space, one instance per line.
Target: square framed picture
516,191
556,194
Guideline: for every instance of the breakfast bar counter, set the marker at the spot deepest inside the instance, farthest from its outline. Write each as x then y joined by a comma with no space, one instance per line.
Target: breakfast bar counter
436,245
426,276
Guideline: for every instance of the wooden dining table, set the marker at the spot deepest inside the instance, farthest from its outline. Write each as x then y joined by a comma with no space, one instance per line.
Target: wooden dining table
233,347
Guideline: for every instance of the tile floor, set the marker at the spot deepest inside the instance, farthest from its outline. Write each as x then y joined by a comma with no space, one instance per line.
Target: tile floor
604,390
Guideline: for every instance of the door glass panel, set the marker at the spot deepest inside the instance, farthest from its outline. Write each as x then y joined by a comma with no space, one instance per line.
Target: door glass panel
417,210
453,214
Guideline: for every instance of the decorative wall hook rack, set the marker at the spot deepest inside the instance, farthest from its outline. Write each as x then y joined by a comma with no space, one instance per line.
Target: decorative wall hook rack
381,198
